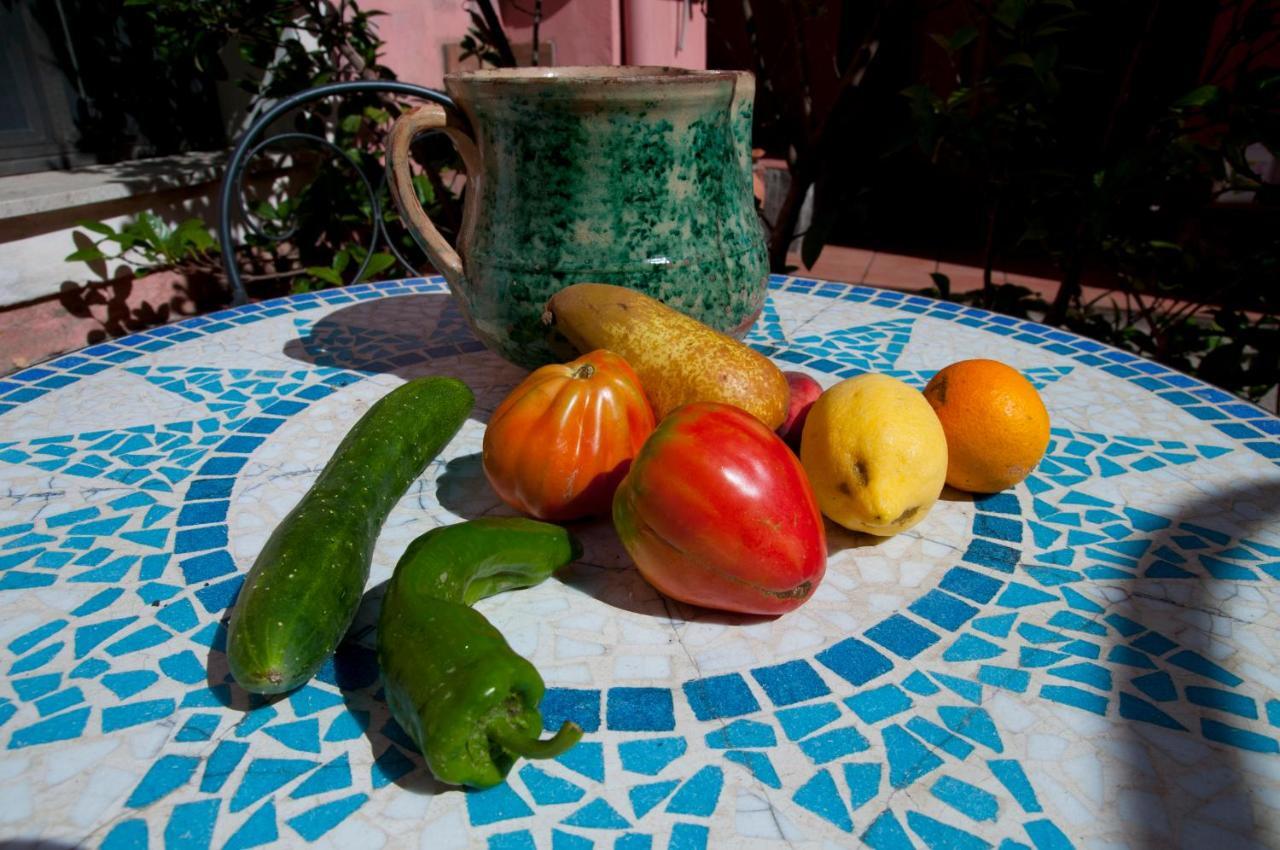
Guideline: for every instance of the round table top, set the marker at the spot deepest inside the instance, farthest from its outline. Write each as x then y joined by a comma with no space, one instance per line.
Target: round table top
1088,659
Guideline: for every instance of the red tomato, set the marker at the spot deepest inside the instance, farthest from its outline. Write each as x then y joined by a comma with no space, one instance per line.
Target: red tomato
561,441
717,511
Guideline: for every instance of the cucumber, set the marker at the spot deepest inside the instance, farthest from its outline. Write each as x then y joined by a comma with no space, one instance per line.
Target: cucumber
303,590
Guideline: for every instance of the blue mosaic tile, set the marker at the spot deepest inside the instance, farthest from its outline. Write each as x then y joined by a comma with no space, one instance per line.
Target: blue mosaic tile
970,584
117,717
855,661
936,736
909,759
971,648
597,814
1237,737
518,840
886,833
329,777
879,703
390,767
759,765
1197,663
565,704
742,733
720,696
645,797
257,830
902,636
127,835
969,800
801,721
224,759
316,822
974,724
587,757
190,825
495,804
641,709
699,794
60,727
820,796
688,836
199,727
1068,695
1004,677
935,833
790,682
263,776
169,773
833,744
649,757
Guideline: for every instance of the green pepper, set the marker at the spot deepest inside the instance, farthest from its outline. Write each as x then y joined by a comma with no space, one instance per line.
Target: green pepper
455,685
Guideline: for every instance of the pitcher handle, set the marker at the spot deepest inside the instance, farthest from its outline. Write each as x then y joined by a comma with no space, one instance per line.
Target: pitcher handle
410,125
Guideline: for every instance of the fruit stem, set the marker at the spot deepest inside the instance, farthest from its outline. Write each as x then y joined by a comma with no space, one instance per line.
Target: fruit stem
586,370
534,748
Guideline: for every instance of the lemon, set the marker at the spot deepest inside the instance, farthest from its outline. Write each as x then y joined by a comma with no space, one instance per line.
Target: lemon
875,454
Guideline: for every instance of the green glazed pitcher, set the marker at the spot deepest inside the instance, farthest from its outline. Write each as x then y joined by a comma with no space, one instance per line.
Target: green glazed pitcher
639,177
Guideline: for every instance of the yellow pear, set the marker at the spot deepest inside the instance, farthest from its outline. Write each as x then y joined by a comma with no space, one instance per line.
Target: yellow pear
678,359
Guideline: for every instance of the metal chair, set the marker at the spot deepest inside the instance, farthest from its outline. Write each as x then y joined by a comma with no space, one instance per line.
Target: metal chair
250,145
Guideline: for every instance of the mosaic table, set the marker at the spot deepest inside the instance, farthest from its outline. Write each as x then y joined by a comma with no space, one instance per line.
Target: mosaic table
1087,660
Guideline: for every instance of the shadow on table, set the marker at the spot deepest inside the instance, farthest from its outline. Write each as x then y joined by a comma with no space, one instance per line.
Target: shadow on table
408,336
35,844
1165,760
353,670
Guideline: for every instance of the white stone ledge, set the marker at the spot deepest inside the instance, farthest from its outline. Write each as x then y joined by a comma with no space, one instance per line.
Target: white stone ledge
49,191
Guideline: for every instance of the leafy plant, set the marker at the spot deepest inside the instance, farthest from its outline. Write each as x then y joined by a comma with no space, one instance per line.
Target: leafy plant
148,243
1087,144
315,225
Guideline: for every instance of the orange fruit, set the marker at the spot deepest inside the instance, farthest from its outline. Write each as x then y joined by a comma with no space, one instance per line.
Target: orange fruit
996,425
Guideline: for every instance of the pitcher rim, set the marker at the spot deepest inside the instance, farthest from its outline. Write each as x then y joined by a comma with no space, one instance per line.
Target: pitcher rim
589,75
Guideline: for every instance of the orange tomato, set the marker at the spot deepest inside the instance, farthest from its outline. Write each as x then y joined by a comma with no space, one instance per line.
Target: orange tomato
559,444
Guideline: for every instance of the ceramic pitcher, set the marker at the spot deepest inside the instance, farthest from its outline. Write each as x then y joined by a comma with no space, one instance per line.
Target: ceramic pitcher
639,177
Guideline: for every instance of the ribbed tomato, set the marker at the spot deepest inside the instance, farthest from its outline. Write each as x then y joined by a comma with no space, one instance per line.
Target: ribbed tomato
558,445
717,511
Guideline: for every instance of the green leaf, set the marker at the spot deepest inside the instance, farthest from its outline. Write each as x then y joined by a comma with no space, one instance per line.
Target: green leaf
341,260
327,275
962,37
425,191
195,234
96,227
148,226
1165,246
1197,97
351,123
1020,58
85,255
378,263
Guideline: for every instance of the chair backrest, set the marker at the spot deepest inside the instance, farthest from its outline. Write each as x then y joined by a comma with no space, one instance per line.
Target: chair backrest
231,197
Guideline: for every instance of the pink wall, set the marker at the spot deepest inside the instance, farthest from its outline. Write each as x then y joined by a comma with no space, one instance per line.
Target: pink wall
584,32
415,32
651,33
